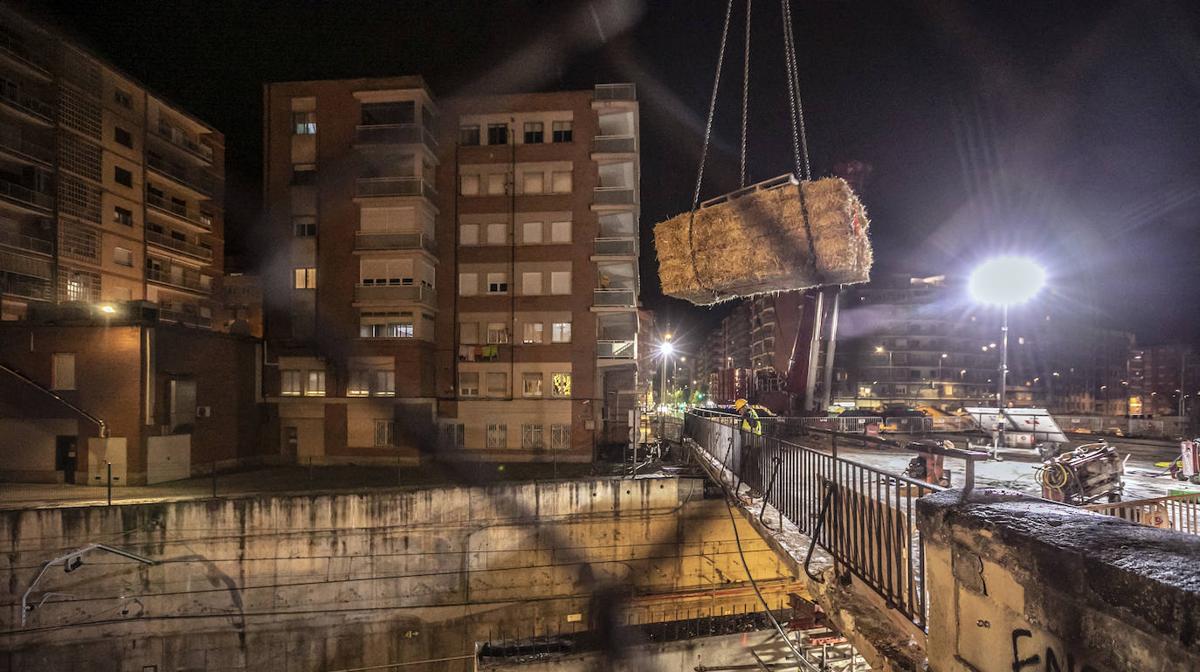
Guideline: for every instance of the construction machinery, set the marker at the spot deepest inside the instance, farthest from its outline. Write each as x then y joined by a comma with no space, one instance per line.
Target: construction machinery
1086,475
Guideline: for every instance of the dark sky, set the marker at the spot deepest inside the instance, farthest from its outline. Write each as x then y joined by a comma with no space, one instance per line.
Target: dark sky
1069,131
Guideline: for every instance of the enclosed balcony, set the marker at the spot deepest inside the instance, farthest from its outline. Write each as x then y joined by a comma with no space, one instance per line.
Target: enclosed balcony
615,92
18,146
395,294
183,247
614,298
25,197
178,277
25,243
615,247
394,134
198,181
26,104
384,240
178,211
179,139
17,52
383,187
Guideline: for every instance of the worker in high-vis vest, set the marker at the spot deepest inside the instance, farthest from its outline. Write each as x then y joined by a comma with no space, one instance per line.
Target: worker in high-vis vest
750,421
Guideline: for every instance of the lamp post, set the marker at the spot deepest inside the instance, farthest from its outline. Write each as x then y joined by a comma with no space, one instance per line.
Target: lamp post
1005,281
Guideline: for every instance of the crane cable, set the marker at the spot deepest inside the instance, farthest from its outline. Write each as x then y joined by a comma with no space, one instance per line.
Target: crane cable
745,95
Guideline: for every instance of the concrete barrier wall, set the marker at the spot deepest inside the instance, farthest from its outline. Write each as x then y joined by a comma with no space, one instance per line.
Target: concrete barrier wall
1018,584
335,581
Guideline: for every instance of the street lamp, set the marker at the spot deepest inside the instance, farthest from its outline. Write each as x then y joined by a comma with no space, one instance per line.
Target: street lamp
1005,281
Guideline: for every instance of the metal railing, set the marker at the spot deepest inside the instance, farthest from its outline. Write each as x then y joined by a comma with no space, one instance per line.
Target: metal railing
394,186
856,425
21,241
613,196
196,180
1167,427
615,247
14,142
24,286
614,297
183,141
181,246
1175,512
17,51
31,105
382,240
908,424
394,134
614,144
174,209
184,281
616,349
862,516
24,195
615,92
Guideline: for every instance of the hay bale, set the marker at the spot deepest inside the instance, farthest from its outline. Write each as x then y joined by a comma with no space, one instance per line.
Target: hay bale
757,243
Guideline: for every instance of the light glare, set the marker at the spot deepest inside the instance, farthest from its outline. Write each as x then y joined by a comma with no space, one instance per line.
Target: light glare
1006,281
666,348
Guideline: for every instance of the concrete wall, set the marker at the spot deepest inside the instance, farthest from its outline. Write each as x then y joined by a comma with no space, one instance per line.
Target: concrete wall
323,582
168,458
1019,584
29,448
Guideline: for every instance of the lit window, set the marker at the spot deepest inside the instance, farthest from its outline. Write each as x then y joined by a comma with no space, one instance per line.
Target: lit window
468,234
535,132
62,371
468,135
468,284
316,384
497,332
561,182
497,283
531,233
497,134
384,383
468,384
534,182
304,278
470,185
497,384
561,131
531,284
560,332
560,384
560,282
497,436
560,232
531,436
304,123
291,382
532,384
532,332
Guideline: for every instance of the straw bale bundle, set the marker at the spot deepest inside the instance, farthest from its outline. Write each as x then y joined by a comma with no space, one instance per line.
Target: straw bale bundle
758,242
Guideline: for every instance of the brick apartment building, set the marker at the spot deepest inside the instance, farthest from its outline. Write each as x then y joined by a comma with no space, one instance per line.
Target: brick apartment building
465,267
108,192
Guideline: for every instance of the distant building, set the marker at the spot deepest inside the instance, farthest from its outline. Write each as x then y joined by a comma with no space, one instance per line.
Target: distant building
1165,379
467,267
108,192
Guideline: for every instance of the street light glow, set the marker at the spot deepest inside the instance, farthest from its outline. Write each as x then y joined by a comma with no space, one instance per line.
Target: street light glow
107,309
1006,281
666,348
879,348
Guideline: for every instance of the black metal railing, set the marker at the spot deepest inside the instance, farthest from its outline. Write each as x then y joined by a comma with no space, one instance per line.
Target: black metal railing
862,516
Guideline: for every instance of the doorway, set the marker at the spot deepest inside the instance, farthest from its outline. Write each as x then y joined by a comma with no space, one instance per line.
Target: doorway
66,456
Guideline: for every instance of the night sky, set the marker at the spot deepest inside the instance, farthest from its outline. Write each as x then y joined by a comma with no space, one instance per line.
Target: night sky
1069,131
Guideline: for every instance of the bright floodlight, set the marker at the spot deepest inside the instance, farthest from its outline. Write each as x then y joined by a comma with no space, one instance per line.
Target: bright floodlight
1006,281
666,348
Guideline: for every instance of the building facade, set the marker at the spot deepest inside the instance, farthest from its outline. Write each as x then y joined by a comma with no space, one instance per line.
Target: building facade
459,273
1165,380
108,192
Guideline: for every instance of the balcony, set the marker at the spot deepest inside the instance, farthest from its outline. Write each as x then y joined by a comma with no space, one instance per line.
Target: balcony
614,196
198,181
614,144
28,105
177,211
26,197
382,187
181,280
181,140
395,134
26,243
180,246
622,92
615,247
14,50
369,240
17,146
614,298
616,349
25,287
395,294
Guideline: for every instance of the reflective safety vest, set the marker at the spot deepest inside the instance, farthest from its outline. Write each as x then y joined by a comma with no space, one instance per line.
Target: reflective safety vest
751,423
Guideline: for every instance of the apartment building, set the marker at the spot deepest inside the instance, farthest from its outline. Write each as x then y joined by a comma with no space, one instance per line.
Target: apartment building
466,266
1164,379
108,192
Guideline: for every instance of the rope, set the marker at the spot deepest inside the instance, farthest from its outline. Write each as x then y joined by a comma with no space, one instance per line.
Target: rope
712,107
799,137
745,93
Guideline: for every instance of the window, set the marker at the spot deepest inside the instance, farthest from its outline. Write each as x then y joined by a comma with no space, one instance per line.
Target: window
386,325
468,384
497,384
469,185
560,282
453,435
531,437
497,234
304,278
560,437
122,176
535,132
468,332
531,233
497,436
385,433
497,134
468,284
531,284
62,371
533,332
561,182
534,182
468,234
304,174
304,226
560,332
497,283
561,131
560,384
316,384
122,136
122,256
497,332
123,98
398,112
371,382
495,184
560,232
122,216
304,123
532,384
384,382
468,135
291,382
